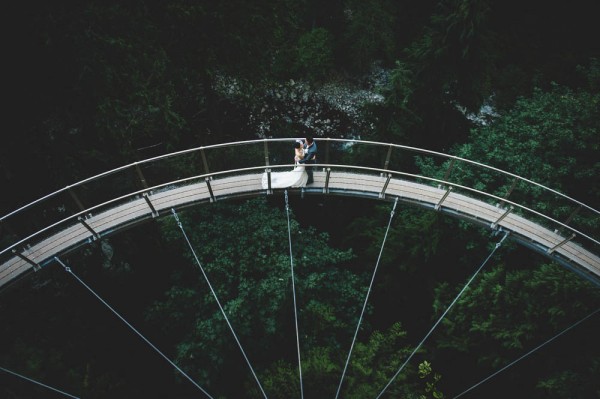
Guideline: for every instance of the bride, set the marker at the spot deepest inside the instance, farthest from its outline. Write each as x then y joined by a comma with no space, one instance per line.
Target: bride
297,177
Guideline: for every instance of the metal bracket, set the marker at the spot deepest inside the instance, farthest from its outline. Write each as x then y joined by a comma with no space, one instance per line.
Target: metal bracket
95,235
327,174
152,208
35,265
560,244
506,212
210,191
387,181
439,204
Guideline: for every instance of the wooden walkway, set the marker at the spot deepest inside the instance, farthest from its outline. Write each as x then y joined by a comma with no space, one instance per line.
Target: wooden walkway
159,203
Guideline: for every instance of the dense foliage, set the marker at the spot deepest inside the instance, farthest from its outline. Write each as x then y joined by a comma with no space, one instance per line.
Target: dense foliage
97,84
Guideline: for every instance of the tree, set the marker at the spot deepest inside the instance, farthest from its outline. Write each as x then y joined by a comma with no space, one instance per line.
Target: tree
315,54
457,50
369,32
243,249
509,310
374,361
550,138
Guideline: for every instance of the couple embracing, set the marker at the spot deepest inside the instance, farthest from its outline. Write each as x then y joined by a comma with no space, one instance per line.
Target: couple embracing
305,153
308,155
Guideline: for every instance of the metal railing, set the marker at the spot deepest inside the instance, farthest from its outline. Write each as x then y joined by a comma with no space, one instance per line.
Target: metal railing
72,204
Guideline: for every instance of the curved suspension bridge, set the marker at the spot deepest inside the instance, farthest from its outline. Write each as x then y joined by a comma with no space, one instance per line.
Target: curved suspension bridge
104,204
40,232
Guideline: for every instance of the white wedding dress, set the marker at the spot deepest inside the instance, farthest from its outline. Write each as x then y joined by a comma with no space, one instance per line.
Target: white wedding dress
294,178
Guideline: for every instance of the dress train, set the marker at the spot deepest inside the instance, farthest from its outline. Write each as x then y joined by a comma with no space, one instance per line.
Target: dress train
293,178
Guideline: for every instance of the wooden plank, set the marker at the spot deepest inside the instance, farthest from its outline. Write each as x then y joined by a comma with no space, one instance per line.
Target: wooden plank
230,186
251,184
122,214
173,198
13,274
13,264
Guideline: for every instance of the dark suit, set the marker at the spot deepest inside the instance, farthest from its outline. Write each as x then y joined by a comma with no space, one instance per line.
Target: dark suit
310,157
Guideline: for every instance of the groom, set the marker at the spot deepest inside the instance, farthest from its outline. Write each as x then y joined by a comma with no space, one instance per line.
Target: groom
310,157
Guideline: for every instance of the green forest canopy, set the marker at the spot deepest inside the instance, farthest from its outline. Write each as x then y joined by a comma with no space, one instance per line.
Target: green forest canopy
92,82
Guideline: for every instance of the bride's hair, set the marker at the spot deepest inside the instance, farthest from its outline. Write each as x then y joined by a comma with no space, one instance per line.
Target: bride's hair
297,144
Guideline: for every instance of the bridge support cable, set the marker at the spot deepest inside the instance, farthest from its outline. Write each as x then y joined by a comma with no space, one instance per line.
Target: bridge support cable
39,383
528,353
443,315
366,299
287,210
183,373
180,225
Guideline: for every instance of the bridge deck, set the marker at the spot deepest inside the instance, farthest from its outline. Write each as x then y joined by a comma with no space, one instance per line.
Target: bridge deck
352,184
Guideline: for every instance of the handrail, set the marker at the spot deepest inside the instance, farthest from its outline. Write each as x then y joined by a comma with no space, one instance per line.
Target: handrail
245,142
177,154
441,154
282,166
124,167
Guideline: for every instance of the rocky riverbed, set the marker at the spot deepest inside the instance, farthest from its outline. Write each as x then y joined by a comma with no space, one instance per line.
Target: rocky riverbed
333,109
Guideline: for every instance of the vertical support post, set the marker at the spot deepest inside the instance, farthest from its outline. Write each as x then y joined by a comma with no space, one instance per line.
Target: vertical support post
560,244
35,265
572,215
387,181
210,191
76,199
204,162
327,151
387,158
449,170
266,153
327,174
95,235
512,187
439,204
269,188
510,190
152,208
141,175
506,212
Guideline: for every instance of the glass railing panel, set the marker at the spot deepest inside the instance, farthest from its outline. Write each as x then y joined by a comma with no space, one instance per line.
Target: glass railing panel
99,190
235,156
532,201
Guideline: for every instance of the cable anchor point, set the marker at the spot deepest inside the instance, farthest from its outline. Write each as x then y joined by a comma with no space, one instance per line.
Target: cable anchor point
502,240
176,217
394,208
60,262
287,206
